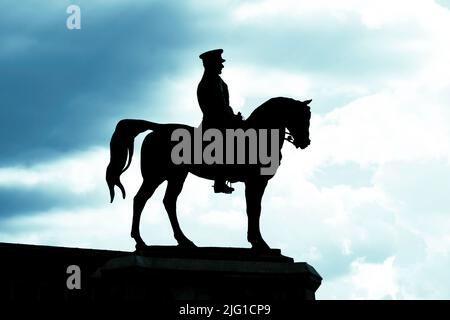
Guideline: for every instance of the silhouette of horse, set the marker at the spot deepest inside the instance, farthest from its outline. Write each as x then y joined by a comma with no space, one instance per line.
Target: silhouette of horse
280,113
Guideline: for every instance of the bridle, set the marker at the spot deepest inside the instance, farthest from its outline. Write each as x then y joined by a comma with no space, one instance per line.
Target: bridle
289,137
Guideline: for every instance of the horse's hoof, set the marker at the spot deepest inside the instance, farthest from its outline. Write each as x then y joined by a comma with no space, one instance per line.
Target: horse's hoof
260,246
187,244
141,246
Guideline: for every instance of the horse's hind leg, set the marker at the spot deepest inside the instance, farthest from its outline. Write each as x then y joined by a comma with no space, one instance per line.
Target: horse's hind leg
174,187
146,190
254,191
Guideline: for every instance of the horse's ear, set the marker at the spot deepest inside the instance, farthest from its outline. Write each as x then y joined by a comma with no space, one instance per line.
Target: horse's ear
307,101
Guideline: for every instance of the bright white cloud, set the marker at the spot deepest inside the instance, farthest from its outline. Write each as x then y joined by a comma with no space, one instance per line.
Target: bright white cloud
388,126
246,82
78,173
366,281
378,281
371,14
227,218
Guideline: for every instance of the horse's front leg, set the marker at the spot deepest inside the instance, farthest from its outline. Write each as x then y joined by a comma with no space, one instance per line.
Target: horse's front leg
254,190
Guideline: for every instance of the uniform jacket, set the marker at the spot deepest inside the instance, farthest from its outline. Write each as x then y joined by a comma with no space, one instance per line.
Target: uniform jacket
213,98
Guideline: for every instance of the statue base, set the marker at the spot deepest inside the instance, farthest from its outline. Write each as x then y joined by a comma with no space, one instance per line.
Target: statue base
205,274
165,275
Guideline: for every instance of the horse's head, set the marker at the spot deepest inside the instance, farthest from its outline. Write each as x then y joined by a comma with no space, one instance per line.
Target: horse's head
298,123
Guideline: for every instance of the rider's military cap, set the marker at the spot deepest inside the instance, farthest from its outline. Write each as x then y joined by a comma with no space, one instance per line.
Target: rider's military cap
212,55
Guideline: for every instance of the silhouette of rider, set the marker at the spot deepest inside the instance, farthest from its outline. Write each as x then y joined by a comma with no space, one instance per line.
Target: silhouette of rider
213,98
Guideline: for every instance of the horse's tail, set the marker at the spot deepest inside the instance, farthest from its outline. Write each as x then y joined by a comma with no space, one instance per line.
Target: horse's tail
121,150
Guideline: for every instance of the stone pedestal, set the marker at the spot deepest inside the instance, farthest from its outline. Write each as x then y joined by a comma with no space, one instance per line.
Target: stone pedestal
205,274
162,275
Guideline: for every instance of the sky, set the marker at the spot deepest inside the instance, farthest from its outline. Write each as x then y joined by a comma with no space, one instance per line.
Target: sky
366,204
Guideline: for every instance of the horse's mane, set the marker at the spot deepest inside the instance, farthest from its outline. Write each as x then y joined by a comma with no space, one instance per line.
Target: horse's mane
279,105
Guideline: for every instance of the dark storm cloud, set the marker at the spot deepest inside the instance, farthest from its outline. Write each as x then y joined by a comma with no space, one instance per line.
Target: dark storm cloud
63,90
58,87
16,201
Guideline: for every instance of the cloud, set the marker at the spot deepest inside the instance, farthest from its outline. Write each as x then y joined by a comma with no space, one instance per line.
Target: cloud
78,173
390,126
371,15
367,281
227,219
81,227
64,90
72,181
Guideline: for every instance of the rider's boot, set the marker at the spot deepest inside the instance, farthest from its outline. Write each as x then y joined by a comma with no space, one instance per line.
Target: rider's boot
220,186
